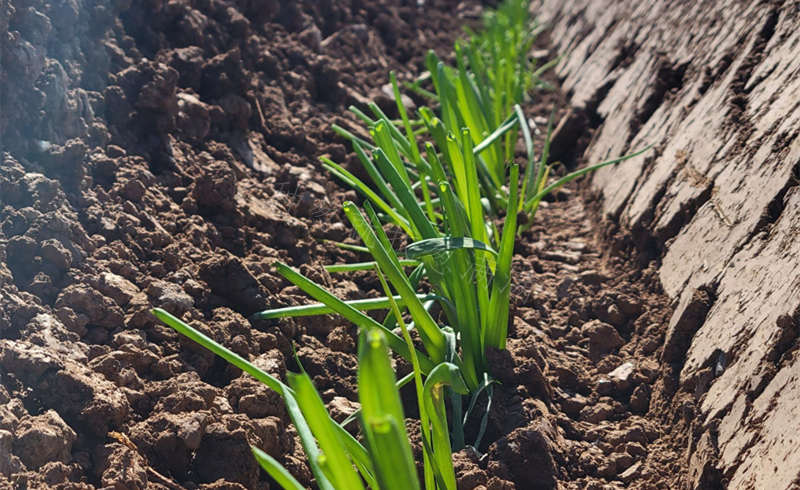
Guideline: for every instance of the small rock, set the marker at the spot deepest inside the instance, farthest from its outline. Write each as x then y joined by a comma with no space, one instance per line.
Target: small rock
340,408
573,405
171,297
649,369
592,277
650,345
630,306
621,376
130,338
72,321
215,187
607,469
407,101
631,473
568,377
8,462
635,449
603,338
340,339
565,256
540,54
562,290
596,413
622,461
311,37
117,288
100,310
194,118
589,460
615,316
115,151
133,190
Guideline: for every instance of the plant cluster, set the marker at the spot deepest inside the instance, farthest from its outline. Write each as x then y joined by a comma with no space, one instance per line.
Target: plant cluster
448,181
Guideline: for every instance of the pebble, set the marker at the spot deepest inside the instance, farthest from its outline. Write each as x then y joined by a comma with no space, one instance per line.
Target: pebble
621,376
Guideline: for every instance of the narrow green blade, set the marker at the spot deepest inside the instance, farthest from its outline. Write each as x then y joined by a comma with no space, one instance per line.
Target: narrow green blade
495,329
526,136
574,175
507,125
360,186
364,266
323,309
433,246
382,415
406,196
276,470
445,374
334,452
360,319
432,337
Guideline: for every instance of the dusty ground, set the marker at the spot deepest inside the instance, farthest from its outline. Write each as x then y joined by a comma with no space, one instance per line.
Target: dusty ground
164,154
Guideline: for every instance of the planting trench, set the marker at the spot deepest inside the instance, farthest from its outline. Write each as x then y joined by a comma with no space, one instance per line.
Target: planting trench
165,154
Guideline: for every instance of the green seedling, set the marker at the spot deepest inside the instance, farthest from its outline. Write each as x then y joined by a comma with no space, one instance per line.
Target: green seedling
493,74
337,460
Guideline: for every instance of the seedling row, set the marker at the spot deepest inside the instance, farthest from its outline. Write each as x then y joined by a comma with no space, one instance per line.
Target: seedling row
447,179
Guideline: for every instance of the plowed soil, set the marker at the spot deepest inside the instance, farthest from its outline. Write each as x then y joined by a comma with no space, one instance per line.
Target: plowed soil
165,154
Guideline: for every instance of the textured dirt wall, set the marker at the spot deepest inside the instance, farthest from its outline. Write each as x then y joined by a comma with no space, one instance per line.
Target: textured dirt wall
715,86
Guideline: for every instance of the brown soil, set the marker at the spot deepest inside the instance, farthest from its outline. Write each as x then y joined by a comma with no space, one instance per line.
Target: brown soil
165,154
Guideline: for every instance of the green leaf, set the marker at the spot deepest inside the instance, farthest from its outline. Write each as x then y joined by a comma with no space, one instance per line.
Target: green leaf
434,246
360,319
526,137
445,374
382,415
382,135
350,136
346,246
364,266
495,329
323,309
432,338
407,198
278,473
507,125
334,454
357,184
574,175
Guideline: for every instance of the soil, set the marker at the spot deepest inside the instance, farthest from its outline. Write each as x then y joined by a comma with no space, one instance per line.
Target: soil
165,154
713,86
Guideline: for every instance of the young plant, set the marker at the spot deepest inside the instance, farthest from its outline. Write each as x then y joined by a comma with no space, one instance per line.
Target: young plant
337,460
493,73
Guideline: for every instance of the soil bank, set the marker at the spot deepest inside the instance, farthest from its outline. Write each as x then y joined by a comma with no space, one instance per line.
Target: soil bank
714,86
